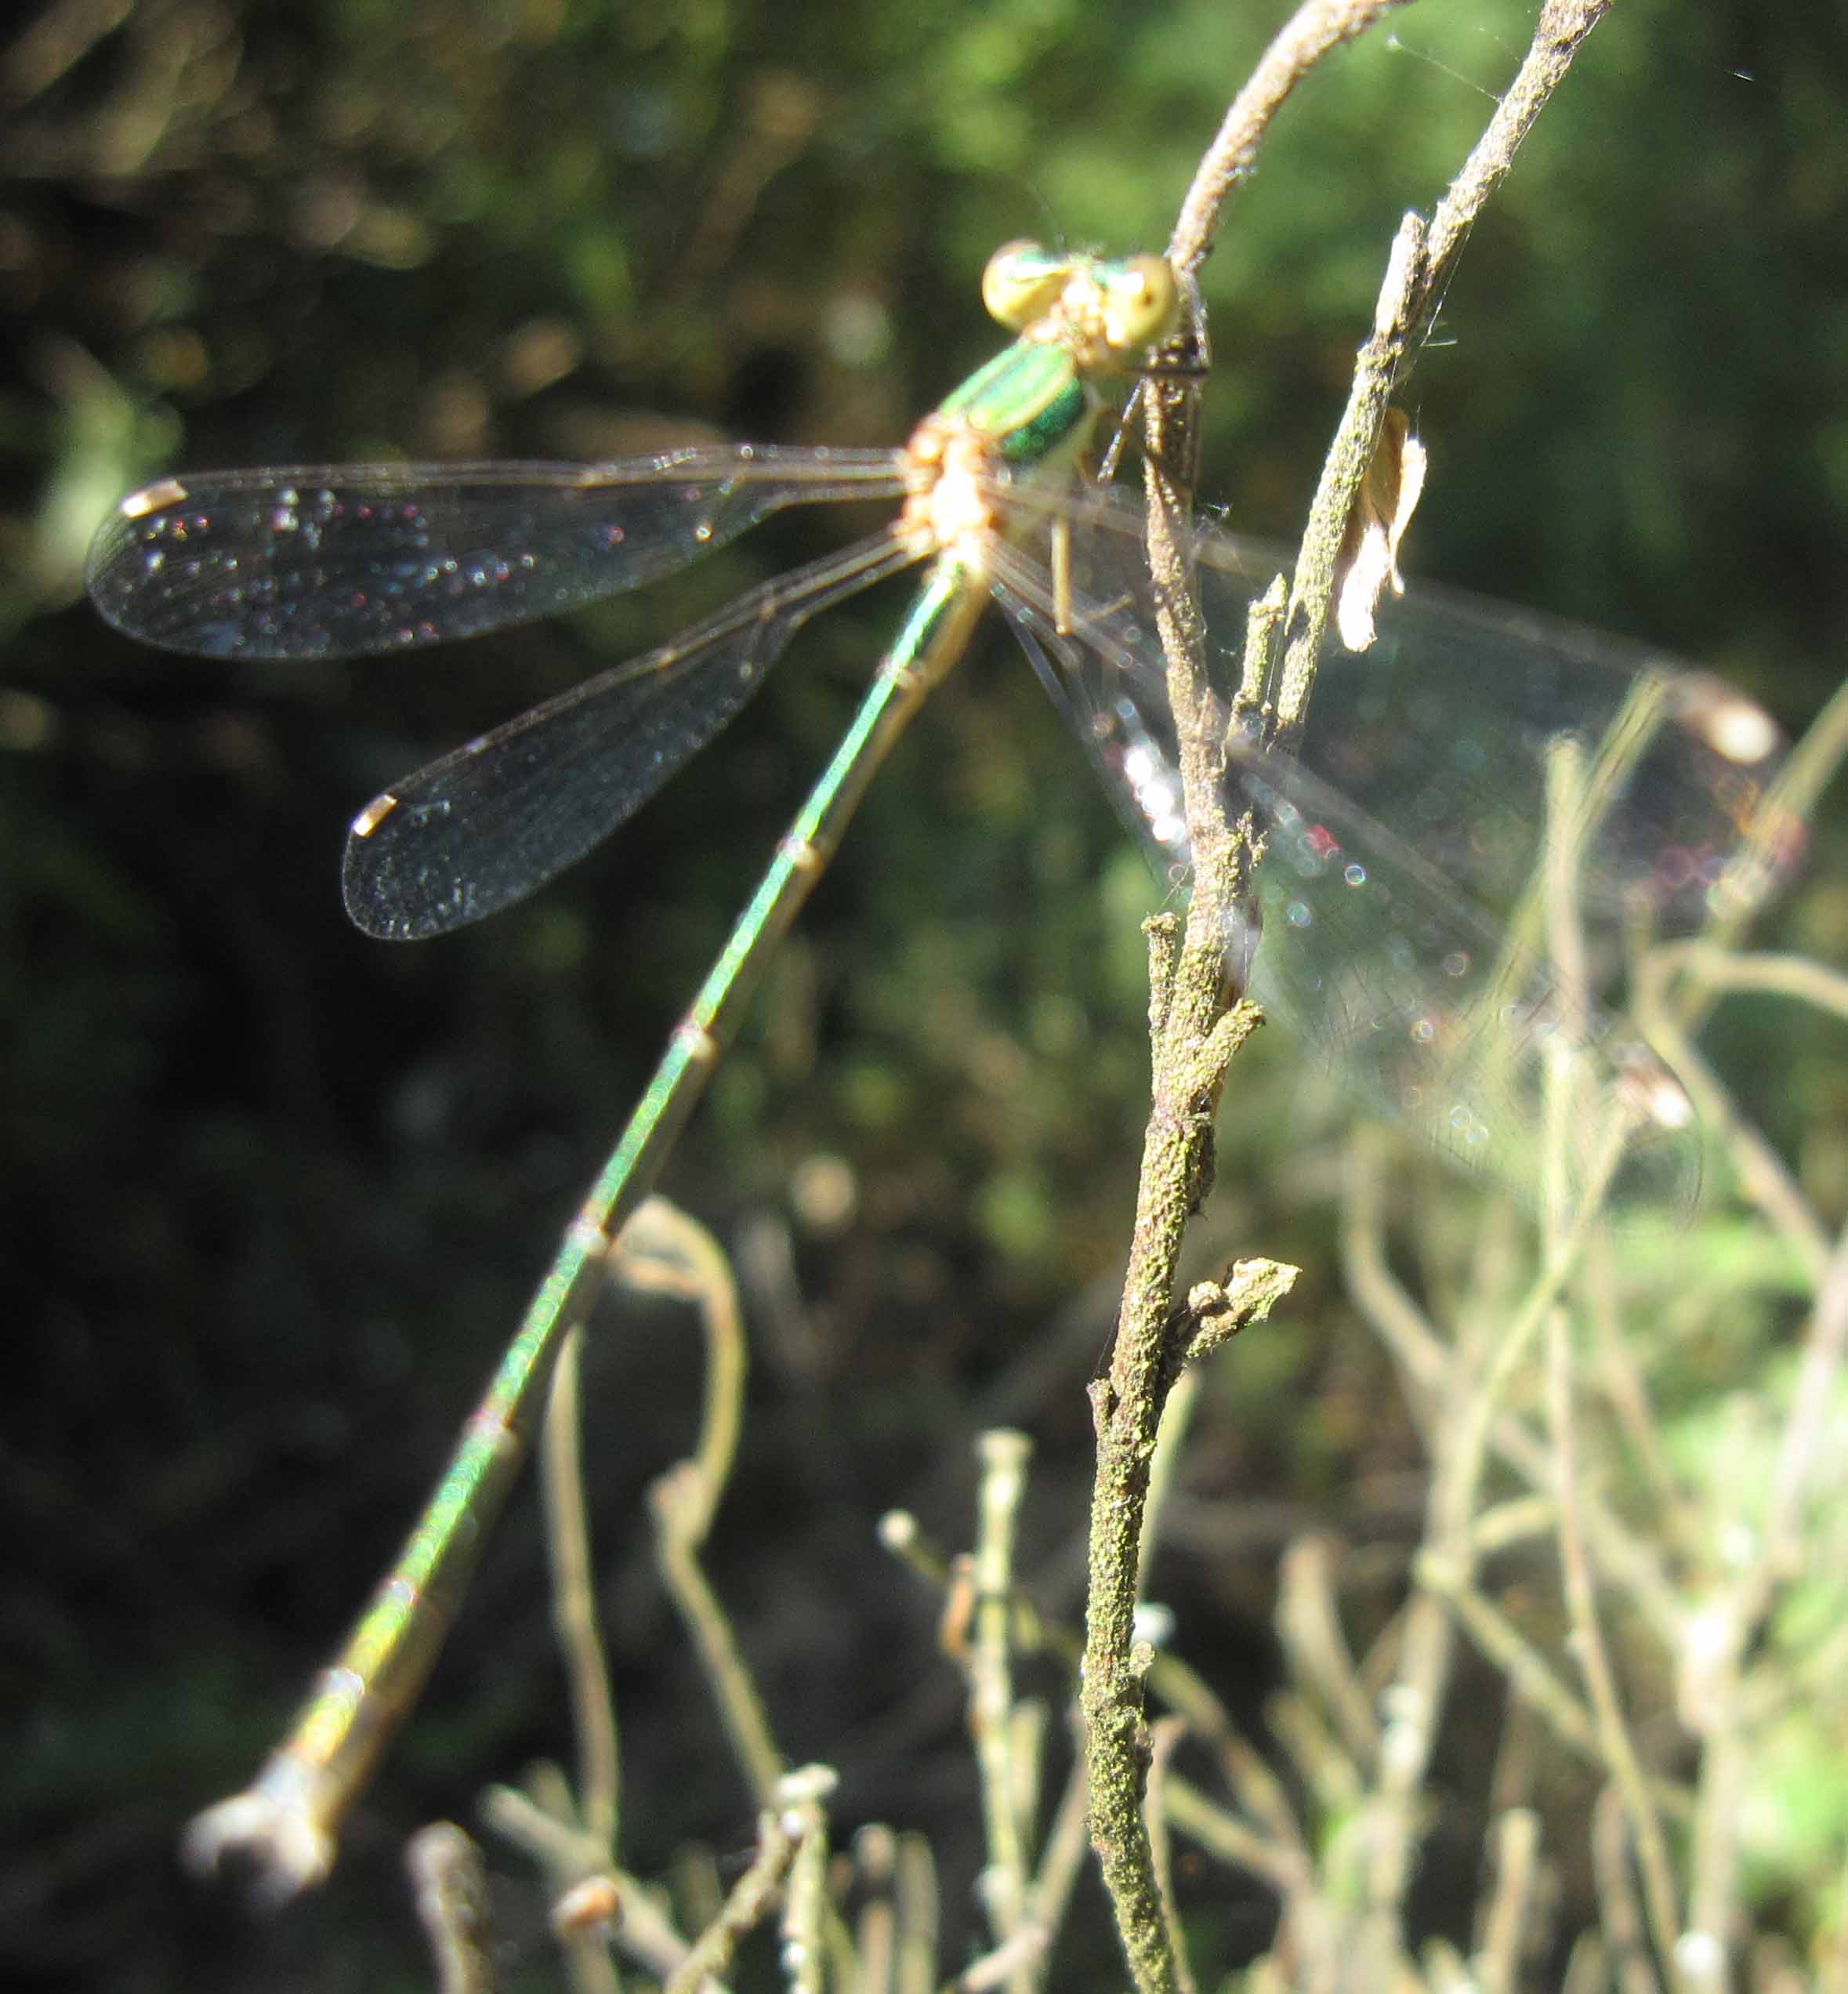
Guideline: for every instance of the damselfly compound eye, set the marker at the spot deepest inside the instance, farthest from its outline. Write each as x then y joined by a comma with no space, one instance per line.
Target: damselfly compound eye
1022,282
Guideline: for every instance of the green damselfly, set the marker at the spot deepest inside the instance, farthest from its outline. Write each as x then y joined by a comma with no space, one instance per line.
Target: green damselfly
1423,764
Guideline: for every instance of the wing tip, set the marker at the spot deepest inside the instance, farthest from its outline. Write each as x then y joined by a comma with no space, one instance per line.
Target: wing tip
153,498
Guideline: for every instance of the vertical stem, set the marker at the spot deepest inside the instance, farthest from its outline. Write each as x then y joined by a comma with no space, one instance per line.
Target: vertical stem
574,1602
1003,1455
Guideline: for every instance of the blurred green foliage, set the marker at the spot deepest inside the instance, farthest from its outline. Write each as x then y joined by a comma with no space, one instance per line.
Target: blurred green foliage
273,1192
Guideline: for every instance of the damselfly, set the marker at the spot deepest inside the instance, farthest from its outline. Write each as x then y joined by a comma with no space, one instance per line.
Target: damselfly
1423,764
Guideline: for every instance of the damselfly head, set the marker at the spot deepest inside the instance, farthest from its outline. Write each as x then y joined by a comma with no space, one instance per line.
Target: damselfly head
1104,311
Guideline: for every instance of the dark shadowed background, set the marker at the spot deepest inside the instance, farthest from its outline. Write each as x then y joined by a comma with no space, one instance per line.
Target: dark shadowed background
275,1192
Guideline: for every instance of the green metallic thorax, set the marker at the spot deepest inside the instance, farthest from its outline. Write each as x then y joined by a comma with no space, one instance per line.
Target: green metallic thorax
1030,398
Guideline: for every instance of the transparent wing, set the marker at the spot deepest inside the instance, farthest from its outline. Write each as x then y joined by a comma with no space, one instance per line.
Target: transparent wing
483,826
320,562
1396,904
1440,731
1436,1015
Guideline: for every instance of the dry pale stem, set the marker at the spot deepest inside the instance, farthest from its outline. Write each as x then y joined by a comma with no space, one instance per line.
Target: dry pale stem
1198,1026
450,1881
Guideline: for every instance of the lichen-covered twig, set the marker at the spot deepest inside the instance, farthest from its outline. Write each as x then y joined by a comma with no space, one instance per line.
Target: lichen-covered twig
1199,1023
